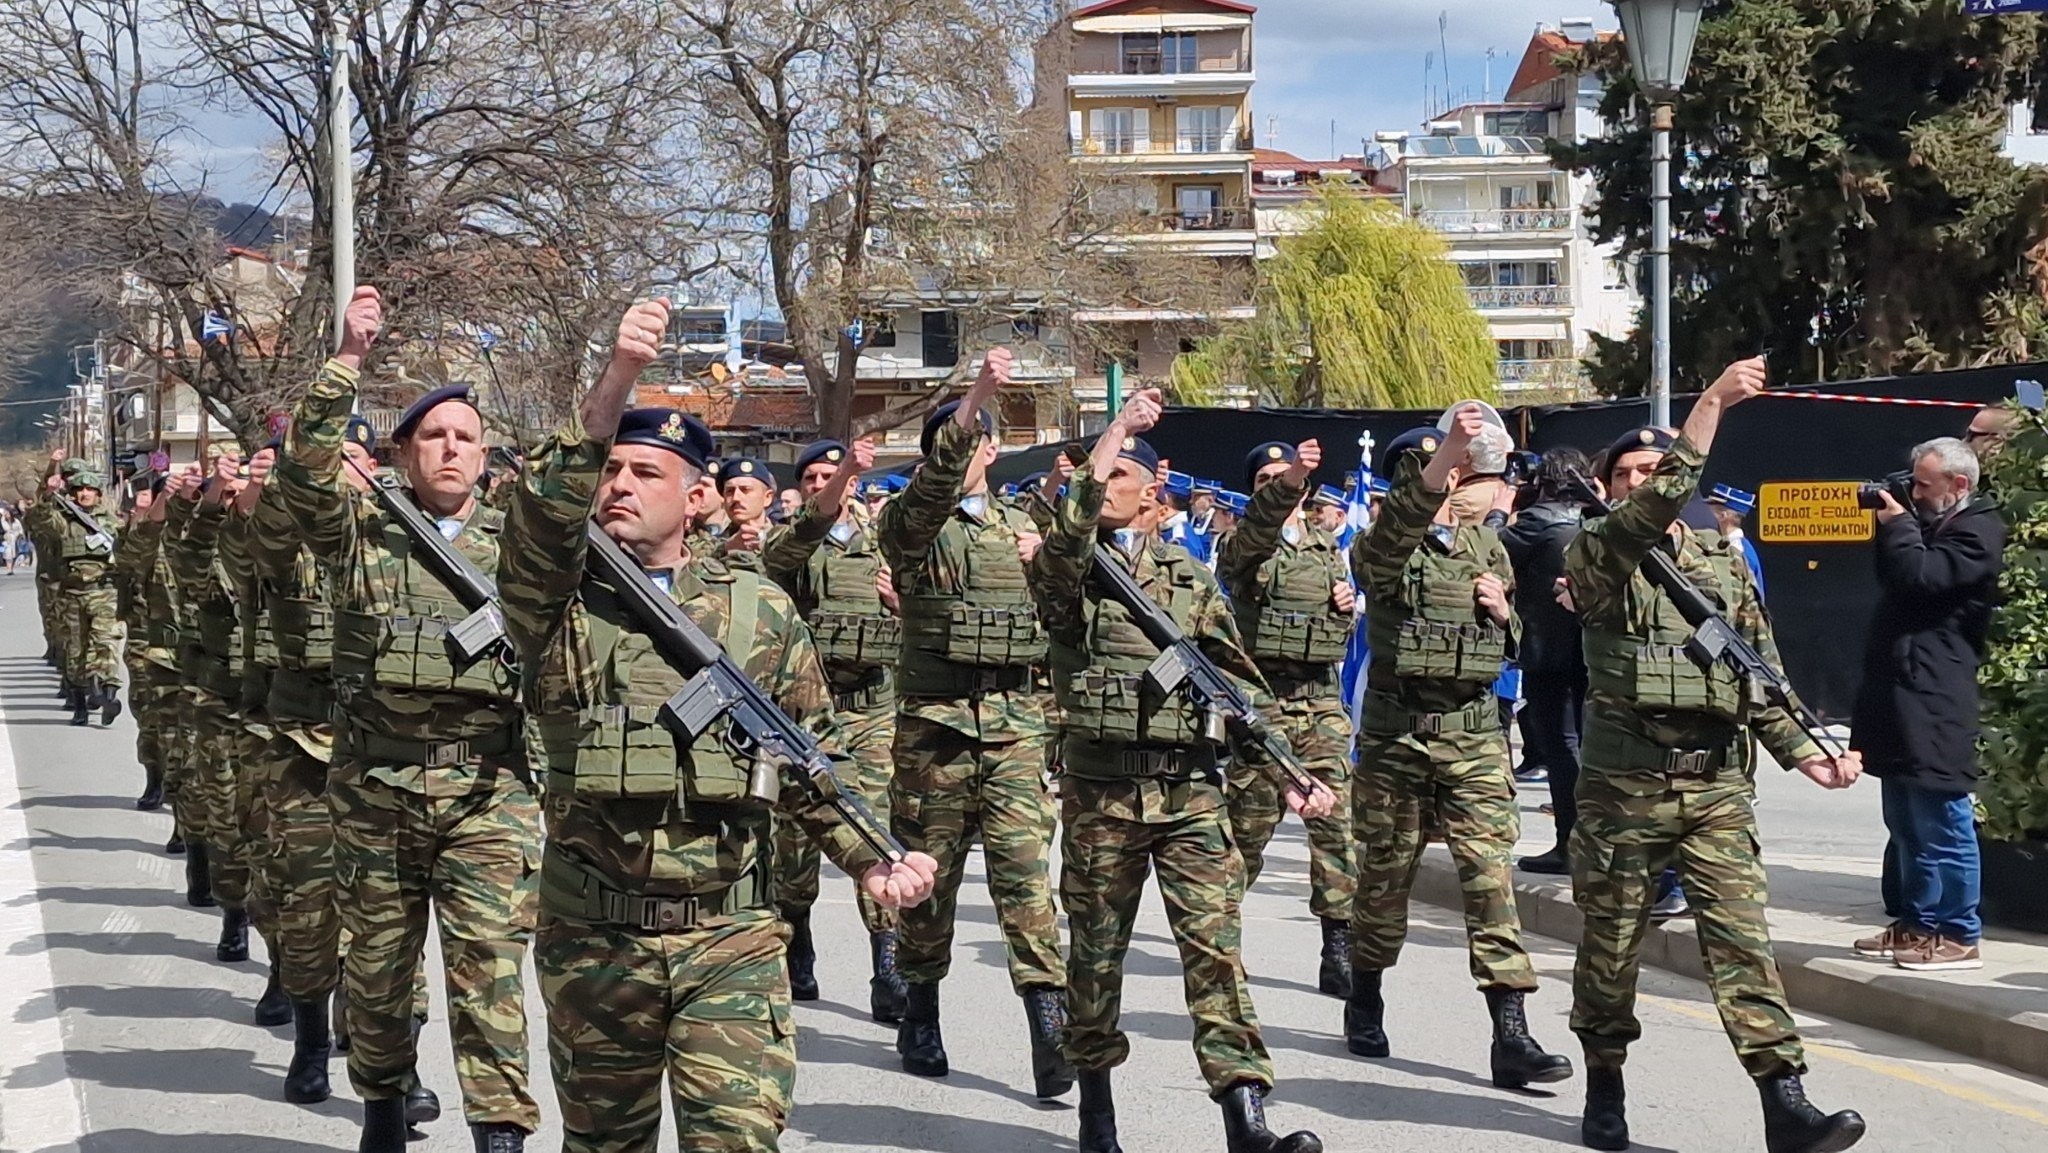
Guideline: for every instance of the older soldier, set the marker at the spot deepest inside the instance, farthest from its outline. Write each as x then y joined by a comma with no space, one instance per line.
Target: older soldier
433,801
1140,789
971,732
88,603
659,948
1431,750
1667,780
828,563
1293,601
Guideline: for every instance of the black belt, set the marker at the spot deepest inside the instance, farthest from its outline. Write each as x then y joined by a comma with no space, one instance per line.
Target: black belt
968,680
1182,763
881,692
433,754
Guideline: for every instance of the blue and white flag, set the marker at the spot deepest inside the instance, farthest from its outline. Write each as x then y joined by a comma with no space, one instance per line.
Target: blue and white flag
1357,518
215,326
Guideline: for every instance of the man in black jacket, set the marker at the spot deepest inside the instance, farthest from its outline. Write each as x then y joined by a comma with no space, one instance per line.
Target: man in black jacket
1551,657
1916,714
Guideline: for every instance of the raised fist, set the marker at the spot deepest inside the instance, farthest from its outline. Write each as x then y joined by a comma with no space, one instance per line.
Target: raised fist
863,454
995,371
1739,381
640,333
1141,412
361,320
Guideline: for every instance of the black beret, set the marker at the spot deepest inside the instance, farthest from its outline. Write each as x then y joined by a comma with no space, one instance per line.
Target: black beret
411,417
1422,440
944,414
829,451
359,431
1645,439
678,432
1699,515
1271,452
745,468
1135,449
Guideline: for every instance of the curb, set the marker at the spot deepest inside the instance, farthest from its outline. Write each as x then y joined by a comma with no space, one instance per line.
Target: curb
1818,979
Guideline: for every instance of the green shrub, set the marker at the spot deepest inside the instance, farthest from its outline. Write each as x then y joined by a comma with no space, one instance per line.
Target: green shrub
2014,679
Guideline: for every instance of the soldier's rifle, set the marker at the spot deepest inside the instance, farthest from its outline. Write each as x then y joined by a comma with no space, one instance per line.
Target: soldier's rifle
1715,640
482,632
716,687
97,538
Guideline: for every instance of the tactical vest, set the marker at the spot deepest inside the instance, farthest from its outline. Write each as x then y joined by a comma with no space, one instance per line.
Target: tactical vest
160,609
853,631
259,648
1102,691
1646,665
1290,617
220,641
981,619
302,689
615,747
1434,629
81,561
406,647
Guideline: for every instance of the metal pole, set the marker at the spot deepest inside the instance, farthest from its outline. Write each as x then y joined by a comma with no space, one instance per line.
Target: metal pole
1660,266
106,379
342,198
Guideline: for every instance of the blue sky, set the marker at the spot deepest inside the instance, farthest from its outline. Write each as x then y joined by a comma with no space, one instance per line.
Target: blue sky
1360,62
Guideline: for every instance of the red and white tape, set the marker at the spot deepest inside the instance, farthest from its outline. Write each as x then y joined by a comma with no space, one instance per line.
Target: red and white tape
1911,402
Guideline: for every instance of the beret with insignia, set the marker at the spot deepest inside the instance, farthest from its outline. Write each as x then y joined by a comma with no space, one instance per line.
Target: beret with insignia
359,431
828,451
1137,450
1271,452
739,468
1655,440
1422,440
944,414
412,416
678,432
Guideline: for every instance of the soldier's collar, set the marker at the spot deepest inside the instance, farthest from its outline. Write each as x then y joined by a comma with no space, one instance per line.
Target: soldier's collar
975,506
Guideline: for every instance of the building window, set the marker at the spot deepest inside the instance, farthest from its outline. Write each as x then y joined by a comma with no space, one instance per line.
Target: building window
881,330
1120,130
1153,53
941,331
698,329
1201,129
1527,122
1199,205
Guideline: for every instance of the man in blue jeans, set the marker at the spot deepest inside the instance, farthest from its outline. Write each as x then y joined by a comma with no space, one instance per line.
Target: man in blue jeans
1915,720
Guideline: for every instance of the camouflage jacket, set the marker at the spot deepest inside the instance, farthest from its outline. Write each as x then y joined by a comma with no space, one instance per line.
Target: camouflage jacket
150,597
74,563
908,530
40,528
647,845
208,593
1603,565
798,555
1270,528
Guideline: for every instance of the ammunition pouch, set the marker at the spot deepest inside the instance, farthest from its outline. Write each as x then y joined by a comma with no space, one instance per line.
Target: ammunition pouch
857,642
1312,637
1661,677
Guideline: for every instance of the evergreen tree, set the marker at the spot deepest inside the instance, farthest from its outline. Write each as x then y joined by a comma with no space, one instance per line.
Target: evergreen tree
1838,193
1362,309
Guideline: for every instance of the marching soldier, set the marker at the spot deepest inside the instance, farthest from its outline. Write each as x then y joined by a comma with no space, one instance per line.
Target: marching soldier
151,653
826,559
1431,750
1140,789
1293,602
971,732
748,488
659,948
87,602
432,798
187,786
1667,780
39,520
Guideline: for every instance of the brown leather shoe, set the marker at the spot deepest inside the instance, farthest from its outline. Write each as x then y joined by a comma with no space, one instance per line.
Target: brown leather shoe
1881,946
1938,955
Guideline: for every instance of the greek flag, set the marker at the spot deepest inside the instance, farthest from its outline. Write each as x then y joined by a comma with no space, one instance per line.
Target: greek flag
1357,516
215,326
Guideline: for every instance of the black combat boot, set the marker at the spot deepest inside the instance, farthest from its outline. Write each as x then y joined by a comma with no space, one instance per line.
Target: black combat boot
1606,1122
1098,1113
917,1038
152,797
273,1008
885,988
1045,1011
1244,1125
81,706
499,1137
198,881
803,956
175,847
1793,1125
305,1080
383,1126
1518,1060
1334,977
1364,1016
234,936
107,698
422,1105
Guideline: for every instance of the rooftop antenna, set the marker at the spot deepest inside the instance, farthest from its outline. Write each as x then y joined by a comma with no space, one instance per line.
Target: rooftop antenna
1443,24
1486,89
1272,132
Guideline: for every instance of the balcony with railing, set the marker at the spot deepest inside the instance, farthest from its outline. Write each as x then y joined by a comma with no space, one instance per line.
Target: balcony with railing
1172,60
1555,372
1235,219
1492,297
1496,220
1181,144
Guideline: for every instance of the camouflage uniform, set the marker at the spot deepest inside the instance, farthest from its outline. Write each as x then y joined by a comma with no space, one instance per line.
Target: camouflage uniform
1141,790
150,615
430,790
89,607
1667,779
970,729
41,526
182,782
256,769
1281,570
659,951
213,656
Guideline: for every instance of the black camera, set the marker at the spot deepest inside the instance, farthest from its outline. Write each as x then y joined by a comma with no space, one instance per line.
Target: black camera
1899,484
1521,468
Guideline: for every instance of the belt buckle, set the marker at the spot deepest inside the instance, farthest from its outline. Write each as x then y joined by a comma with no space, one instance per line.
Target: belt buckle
446,754
1427,724
1691,764
663,914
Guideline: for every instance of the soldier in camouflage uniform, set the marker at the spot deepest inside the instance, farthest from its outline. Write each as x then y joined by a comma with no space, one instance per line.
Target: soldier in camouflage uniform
1141,789
185,782
659,949
971,733
432,798
1668,780
151,653
1440,620
87,603
1293,601
39,520
827,561
748,488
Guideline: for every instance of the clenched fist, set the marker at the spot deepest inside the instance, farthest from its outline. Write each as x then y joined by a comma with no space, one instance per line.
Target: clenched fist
640,334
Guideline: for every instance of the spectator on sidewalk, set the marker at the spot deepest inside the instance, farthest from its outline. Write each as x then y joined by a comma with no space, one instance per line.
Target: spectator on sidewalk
1915,719
1731,507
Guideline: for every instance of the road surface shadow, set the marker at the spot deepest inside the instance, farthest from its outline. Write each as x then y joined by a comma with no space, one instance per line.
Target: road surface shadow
78,801
815,1048
130,1002
137,1141
113,895
1369,1101
891,1127
209,1072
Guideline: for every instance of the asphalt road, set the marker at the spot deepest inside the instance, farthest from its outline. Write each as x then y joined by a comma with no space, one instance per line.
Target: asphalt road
119,1033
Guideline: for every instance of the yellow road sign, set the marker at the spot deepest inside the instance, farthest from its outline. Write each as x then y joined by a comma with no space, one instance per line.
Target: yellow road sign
1811,512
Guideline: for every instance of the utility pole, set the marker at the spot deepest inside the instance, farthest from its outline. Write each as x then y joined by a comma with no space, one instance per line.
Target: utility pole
342,180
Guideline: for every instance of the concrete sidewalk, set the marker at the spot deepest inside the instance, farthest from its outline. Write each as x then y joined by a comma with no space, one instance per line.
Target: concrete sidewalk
1824,853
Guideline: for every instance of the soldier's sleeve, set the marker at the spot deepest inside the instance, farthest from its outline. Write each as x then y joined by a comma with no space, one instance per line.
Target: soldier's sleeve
788,548
1380,554
543,549
1257,536
1604,556
310,487
1060,567
1774,727
802,692
912,521
273,537
202,537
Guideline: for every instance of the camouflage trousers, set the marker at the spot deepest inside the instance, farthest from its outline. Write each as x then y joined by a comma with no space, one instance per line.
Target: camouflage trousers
707,1007
153,689
948,788
92,635
1458,783
301,852
472,858
1115,834
869,735
216,737
182,784
1319,730
50,605
1629,831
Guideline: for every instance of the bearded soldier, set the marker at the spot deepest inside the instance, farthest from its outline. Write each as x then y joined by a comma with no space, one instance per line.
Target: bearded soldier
1293,601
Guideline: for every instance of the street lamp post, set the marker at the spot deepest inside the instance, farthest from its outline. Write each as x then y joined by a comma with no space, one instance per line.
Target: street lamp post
1659,35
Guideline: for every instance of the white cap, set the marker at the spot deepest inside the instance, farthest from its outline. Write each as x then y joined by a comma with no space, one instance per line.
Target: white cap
1492,415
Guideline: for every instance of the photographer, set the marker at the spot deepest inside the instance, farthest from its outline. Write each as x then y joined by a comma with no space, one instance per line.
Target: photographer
1916,714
